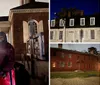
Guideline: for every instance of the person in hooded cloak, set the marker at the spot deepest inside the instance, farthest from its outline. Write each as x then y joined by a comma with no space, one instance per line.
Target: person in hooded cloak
6,61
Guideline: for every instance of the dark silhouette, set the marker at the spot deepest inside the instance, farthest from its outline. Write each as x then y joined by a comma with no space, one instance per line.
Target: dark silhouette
21,74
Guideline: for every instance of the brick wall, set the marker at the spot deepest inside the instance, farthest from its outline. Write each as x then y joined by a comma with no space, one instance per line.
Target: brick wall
78,60
17,25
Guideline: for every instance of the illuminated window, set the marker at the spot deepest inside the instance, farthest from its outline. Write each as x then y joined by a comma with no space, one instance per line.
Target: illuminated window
54,65
71,22
82,21
92,21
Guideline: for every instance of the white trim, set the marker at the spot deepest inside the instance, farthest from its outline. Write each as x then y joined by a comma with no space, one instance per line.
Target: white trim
30,10
91,20
61,23
52,23
71,22
26,11
82,24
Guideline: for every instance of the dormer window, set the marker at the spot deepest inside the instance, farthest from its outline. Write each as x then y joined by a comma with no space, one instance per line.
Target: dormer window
52,23
92,21
82,21
71,22
61,23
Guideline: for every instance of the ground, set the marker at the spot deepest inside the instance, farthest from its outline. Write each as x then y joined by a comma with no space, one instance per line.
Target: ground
76,81
75,78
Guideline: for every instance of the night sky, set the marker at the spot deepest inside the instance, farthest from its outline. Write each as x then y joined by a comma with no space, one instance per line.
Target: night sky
89,6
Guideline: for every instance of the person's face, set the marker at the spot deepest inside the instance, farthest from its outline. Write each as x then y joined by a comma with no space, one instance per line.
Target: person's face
1,38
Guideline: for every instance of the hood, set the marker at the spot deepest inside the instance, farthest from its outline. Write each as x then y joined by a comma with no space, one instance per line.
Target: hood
3,37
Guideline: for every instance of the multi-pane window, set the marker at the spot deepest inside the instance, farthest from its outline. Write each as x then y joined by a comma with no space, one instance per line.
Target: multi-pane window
51,35
71,22
60,35
32,28
52,23
69,64
61,23
92,21
62,55
69,56
92,34
62,64
82,21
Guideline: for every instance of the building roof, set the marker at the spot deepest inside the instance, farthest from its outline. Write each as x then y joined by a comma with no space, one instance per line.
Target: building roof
3,18
77,21
74,51
32,5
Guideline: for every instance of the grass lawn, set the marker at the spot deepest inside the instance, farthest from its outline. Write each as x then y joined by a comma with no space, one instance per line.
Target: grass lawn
75,74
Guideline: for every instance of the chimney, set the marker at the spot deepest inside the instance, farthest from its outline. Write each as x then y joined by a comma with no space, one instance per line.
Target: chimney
60,46
69,14
22,2
82,13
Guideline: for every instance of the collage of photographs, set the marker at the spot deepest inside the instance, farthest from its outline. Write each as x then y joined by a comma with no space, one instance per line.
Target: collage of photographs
50,42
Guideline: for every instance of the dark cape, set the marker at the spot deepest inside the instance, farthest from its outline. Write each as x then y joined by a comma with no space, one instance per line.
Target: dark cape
6,54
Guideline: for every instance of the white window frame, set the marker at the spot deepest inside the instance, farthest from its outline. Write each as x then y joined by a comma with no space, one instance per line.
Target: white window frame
91,21
52,23
70,22
61,23
81,21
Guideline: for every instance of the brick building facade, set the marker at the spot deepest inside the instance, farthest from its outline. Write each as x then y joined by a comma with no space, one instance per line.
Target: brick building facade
17,26
68,60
